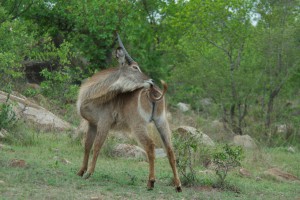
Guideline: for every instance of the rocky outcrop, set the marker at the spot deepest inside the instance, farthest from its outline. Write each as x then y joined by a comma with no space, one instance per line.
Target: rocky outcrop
35,114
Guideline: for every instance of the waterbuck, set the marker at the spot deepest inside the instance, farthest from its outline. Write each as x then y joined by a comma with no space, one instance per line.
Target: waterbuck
124,98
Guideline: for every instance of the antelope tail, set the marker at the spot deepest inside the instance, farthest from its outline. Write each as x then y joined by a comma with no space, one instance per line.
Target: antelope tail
153,91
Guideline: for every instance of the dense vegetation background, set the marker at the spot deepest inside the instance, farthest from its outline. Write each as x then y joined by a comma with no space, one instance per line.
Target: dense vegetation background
241,56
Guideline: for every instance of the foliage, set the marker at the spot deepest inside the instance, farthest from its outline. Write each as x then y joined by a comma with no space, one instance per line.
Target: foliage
7,115
185,149
31,92
226,159
243,55
14,45
227,52
58,85
190,155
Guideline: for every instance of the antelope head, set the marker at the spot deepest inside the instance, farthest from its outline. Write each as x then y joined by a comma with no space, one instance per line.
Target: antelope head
123,56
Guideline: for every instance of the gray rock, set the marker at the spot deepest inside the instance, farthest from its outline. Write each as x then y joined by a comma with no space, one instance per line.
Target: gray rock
129,151
245,141
183,107
291,149
3,133
206,102
160,153
202,138
244,172
35,114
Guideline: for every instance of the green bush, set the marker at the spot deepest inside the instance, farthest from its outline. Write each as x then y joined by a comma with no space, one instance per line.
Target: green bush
30,92
59,85
190,154
185,148
226,159
7,115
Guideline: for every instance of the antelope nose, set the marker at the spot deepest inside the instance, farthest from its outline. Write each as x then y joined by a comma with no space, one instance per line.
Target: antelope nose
150,81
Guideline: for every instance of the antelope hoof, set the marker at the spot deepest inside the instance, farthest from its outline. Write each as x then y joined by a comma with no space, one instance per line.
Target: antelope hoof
80,172
178,189
87,175
150,184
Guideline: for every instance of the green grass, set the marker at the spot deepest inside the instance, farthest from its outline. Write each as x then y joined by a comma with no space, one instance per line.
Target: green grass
45,176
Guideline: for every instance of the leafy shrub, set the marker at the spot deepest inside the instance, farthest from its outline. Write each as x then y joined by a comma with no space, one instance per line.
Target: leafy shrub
7,115
58,85
226,159
30,92
190,155
185,147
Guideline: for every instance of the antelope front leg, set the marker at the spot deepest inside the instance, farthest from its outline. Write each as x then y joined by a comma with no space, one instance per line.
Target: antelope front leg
172,162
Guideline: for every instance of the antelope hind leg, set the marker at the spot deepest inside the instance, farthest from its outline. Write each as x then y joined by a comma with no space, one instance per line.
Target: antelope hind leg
90,136
146,141
102,132
164,131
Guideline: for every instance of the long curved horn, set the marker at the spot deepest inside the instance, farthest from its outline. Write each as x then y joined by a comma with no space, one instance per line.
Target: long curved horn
152,96
127,56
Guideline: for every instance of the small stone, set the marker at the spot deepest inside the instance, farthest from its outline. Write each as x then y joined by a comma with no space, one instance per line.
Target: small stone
3,133
291,149
245,172
95,198
207,172
65,161
183,107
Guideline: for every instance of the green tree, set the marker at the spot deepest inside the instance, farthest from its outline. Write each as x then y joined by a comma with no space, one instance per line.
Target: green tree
215,34
279,47
16,42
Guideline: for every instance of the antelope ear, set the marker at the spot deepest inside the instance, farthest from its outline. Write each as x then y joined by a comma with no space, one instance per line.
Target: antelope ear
120,55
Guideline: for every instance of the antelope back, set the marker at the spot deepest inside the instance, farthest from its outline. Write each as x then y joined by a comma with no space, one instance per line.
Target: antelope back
106,84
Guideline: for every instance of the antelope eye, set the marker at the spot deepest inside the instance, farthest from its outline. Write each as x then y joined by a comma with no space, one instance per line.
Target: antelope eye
135,67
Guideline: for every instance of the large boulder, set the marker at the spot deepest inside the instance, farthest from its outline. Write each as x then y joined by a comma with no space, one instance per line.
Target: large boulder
244,141
129,151
201,138
35,114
